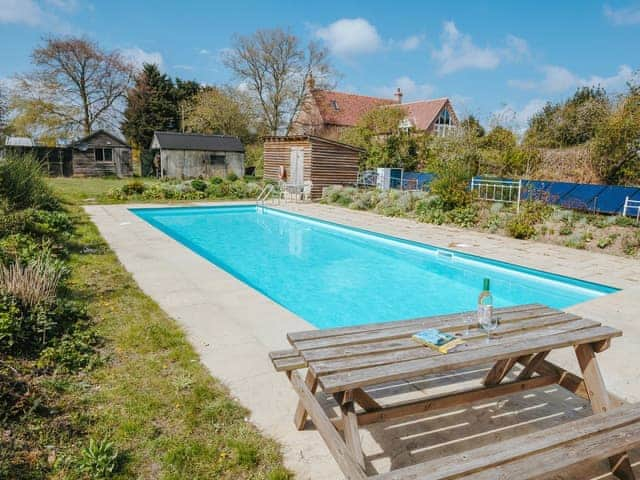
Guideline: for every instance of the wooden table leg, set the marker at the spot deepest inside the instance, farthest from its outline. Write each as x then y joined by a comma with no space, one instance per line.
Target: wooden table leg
351,432
499,371
531,365
300,417
336,445
600,402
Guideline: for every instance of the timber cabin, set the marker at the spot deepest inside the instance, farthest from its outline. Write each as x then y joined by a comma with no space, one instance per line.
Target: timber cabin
314,161
190,155
101,154
327,113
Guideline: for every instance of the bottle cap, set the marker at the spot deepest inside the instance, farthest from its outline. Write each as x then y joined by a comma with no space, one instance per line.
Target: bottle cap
485,284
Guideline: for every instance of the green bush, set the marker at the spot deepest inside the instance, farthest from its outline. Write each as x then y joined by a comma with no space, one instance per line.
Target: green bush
134,187
22,184
199,185
631,243
23,248
607,241
521,226
431,210
27,330
218,189
466,216
232,177
72,351
216,180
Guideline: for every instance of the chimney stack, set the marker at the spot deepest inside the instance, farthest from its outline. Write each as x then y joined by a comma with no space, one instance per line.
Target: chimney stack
311,82
398,95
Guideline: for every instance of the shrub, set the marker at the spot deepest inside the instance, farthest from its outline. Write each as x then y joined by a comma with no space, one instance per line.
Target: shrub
25,330
605,242
340,195
232,177
631,243
466,216
116,193
238,189
216,180
22,184
134,187
218,189
199,185
578,241
431,210
521,226
71,352
23,248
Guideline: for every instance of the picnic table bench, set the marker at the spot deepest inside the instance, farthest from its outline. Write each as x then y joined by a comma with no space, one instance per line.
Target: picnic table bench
344,361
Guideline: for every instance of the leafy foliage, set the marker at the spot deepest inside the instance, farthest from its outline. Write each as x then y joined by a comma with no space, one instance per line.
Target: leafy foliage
22,185
571,122
151,106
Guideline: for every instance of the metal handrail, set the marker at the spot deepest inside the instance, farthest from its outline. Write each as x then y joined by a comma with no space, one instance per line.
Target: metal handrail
264,194
631,204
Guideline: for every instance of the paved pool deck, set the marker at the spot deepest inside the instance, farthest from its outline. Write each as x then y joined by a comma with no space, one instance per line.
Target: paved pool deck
233,327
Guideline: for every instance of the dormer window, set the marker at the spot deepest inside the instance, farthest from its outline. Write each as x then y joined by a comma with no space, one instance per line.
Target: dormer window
334,104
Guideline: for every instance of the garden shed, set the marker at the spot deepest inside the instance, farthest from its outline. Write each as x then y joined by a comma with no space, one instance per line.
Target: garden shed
101,153
189,155
317,161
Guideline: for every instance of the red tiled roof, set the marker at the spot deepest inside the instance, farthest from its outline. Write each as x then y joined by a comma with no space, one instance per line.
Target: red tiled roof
423,113
337,108
346,109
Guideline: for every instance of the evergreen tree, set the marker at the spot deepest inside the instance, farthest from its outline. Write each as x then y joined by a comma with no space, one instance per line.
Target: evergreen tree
473,126
151,106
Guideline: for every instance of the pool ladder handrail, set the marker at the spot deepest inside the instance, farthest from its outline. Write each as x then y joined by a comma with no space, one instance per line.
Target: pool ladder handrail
264,194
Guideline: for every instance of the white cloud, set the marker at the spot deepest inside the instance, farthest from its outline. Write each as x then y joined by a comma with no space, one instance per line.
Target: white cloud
22,12
411,90
66,5
558,79
350,36
138,57
623,16
517,119
412,42
458,52
204,51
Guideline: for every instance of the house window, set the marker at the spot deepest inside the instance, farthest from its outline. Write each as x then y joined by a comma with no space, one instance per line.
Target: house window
334,104
444,118
104,154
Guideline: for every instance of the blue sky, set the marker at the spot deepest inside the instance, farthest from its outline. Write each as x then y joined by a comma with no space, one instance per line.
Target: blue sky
498,59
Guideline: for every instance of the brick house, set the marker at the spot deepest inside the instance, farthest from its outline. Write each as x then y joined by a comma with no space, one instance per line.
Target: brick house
327,113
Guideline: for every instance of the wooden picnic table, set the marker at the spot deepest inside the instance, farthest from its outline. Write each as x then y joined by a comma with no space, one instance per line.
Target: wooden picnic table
343,362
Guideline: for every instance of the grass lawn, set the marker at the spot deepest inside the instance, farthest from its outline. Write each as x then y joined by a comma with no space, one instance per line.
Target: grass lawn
152,397
85,190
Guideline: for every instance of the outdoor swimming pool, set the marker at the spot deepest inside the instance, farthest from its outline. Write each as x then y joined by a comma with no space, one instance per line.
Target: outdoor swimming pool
331,275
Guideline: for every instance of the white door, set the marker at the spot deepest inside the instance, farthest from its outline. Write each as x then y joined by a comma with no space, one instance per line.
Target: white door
296,166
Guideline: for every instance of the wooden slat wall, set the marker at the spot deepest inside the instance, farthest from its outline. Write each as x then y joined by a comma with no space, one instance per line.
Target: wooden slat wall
325,163
332,164
278,152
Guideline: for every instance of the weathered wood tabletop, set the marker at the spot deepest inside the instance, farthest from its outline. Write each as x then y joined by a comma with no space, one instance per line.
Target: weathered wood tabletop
344,361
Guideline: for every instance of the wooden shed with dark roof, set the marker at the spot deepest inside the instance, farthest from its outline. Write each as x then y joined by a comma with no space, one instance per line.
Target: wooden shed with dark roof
310,161
190,155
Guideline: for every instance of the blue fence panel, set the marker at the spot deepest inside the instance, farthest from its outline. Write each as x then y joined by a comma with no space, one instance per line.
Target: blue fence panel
611,200
549,192
636,196
582,197
422,179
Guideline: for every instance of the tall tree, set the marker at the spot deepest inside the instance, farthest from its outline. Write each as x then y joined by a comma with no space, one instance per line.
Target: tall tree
185,91
76,86
276,70
219,111
4,108
151,106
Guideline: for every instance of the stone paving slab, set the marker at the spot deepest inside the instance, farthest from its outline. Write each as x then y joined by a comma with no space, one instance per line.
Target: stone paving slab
233,327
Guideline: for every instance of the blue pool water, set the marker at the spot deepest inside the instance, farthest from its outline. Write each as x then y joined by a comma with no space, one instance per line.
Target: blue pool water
332,275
